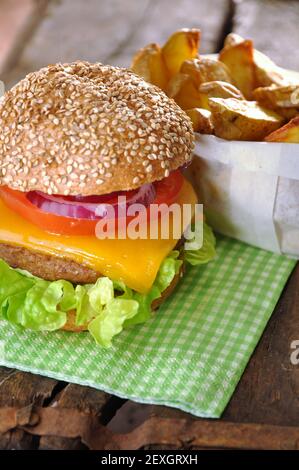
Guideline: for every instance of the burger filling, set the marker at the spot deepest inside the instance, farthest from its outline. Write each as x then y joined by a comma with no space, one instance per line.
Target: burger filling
52,262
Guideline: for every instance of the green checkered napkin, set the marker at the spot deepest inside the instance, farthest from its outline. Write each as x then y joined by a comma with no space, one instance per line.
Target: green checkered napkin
191,355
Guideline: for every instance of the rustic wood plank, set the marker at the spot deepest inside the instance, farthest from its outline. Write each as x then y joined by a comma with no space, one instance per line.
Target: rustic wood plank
112,31
153,433
129,417
273,24
84,399
162,18
17,22
163,434
269,389
22,389
4,373
75,30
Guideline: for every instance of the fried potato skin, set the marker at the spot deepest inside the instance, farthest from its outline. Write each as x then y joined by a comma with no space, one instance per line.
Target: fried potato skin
149,63
239,60
205,69
275,96
180,46
184,87
265,70
201,120
288,133
219,89
185,92
258,96
242,120
232,39
284,100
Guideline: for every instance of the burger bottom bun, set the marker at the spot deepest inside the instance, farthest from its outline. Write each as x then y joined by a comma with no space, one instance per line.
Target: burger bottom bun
70,325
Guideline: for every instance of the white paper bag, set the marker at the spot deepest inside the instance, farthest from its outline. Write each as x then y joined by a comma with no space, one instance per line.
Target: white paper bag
250,190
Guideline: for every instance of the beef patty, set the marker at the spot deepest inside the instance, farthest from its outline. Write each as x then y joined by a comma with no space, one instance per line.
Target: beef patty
51,268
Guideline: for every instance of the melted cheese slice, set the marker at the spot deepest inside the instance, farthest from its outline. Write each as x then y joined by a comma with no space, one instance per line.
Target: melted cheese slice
135,262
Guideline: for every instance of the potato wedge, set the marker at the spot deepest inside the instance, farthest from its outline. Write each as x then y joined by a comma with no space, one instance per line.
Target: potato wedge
232,39
201,120
180,46
288,133
287,113
242,120
206,69
275,97
239,60
184,91
284,100
266,71
219,89
148,62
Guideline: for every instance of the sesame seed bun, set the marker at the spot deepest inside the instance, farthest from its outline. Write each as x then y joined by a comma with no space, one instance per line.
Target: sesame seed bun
86,129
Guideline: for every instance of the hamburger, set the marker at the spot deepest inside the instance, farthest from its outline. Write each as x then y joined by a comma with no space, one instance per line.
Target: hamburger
73,139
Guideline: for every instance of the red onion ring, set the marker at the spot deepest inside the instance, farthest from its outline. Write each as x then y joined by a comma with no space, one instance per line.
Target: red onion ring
92,207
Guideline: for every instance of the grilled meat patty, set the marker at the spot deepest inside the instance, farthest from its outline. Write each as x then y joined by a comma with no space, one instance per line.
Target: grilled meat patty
52,268
47,267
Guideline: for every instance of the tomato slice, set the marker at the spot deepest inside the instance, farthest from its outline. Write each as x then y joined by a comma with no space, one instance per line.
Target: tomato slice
167,191
168,188
18,202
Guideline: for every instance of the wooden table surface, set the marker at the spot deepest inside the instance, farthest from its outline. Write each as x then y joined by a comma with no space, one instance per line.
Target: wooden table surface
41,413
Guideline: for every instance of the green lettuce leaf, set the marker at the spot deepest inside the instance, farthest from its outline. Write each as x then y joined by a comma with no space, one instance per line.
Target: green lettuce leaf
84,310
169,268
111,320
204,254
30,302
107,306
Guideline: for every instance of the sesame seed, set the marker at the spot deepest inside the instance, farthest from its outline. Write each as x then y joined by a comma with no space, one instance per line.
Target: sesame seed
152,156
149,168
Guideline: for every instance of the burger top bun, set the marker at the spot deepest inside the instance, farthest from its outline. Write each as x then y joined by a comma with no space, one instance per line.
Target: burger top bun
85,129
